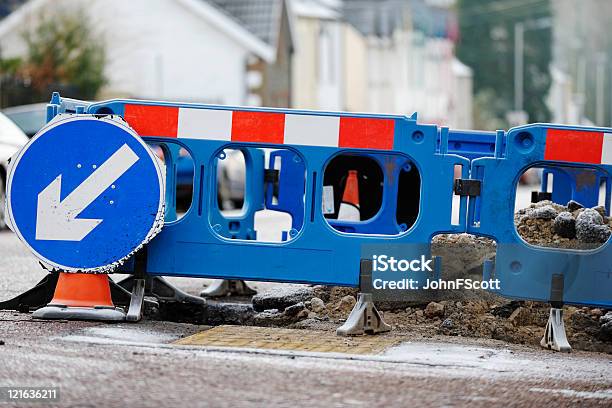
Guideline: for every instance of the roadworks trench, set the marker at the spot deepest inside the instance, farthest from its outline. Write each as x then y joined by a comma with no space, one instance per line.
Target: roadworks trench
455,313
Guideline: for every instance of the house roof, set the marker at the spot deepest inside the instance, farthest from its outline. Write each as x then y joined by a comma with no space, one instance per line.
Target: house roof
260,17
232,26
8,6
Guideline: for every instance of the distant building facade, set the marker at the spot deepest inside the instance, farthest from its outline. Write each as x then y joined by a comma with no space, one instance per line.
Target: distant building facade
211,51
581,70
360,55
411,65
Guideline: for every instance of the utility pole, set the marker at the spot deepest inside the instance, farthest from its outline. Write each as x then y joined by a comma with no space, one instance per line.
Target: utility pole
600,78
519,55
518,116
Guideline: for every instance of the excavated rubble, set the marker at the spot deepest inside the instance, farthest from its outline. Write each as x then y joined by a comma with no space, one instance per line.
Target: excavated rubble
465,313
480,313
568,226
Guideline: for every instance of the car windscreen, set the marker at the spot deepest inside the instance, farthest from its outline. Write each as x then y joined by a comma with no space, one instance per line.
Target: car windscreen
29,121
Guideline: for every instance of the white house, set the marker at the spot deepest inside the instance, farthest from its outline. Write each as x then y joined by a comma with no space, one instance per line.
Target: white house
190,50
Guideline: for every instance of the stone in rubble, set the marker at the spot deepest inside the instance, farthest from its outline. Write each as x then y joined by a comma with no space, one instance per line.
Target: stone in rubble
606,318
590,228
229,313
447,323
293,310
546,212
574,205
601,210
434,309
346,304
605,332
317,305
281,297
564,225
506,309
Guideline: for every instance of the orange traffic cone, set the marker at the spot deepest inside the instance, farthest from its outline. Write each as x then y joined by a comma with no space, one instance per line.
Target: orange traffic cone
349,206
81,296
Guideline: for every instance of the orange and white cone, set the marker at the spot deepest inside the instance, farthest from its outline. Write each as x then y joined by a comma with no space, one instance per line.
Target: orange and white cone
81,296
349,206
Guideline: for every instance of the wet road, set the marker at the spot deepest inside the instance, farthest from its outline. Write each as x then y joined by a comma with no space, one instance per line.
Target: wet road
136,365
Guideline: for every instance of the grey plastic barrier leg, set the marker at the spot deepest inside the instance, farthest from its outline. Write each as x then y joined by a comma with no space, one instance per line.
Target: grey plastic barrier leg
100,313
364,318
554,335
34,298
134,313
228,287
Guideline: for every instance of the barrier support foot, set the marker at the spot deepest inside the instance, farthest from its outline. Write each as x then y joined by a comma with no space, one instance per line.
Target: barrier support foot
364,318
63,312
134,313
228,287
174,304
554,335
34,298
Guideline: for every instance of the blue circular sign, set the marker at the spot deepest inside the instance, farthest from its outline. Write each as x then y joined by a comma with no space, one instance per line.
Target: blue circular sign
85,193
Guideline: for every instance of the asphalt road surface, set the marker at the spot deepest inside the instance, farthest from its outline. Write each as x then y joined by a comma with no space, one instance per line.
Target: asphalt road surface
136,365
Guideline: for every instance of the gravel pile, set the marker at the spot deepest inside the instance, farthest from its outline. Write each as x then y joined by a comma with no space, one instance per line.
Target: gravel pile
571,226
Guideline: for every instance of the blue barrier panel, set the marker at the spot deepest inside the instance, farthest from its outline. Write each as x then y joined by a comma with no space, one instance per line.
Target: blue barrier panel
320,249
525,271
575,184
318,253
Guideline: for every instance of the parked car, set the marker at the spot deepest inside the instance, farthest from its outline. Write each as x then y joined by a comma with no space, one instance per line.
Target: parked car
30,118
11,140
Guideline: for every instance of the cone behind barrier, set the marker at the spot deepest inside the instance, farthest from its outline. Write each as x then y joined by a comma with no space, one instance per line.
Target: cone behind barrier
349,206
81,296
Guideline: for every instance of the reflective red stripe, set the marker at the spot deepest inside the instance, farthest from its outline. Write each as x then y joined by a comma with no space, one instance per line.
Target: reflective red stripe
573,146
261,127
366,133
258,127
150,120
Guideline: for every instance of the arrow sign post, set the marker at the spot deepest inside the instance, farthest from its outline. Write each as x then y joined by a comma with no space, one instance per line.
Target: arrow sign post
85,193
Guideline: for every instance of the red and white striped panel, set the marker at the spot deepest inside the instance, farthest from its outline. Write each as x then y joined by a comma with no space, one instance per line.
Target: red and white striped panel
578,146
261,127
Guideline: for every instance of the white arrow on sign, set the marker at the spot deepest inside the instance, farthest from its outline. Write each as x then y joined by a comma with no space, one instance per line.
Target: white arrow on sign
56,219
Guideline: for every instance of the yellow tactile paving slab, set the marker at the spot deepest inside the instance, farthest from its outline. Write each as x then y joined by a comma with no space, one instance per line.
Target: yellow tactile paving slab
288,339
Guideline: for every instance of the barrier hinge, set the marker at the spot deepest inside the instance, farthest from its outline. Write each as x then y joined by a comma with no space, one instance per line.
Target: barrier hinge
271,175
537,196
467,187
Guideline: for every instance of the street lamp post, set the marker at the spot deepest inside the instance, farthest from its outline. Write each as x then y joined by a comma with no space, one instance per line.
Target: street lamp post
519,116
519,53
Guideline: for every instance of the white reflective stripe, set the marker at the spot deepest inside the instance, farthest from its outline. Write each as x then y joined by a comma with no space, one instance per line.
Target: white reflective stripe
209,124
312,130
606,150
